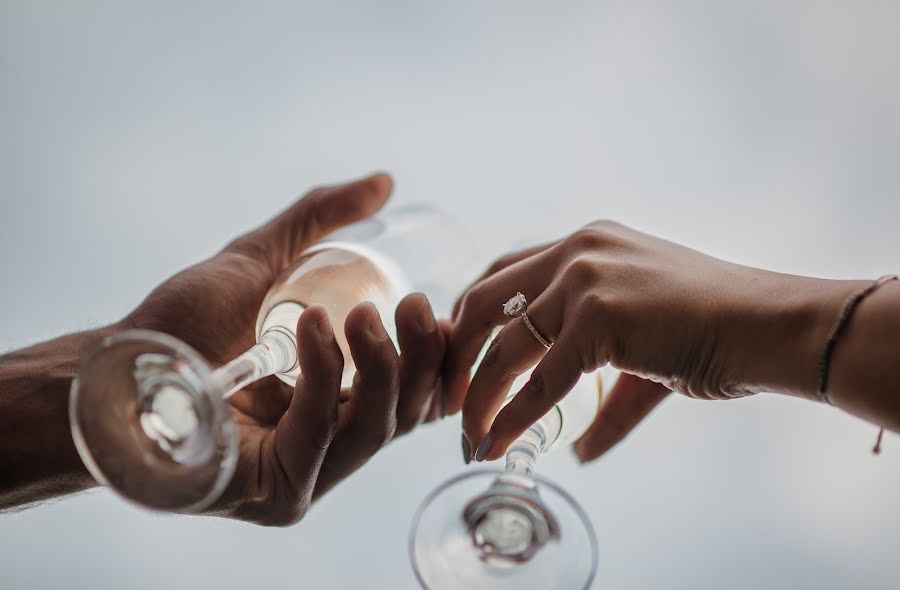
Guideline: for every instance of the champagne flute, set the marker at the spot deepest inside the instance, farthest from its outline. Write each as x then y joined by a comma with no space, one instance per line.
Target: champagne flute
513,529
149,415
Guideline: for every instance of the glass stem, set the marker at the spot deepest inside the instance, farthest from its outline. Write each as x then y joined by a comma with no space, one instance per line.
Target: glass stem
523,453
276,352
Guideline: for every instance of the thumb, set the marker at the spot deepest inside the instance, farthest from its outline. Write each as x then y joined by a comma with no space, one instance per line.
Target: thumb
319,213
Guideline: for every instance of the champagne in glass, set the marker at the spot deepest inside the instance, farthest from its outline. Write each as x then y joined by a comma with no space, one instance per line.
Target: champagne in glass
149,415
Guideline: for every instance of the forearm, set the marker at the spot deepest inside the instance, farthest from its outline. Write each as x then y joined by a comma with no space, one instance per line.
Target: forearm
783,343
38,459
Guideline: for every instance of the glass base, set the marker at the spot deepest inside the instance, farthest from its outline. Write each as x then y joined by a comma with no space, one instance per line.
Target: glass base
496,530
148,422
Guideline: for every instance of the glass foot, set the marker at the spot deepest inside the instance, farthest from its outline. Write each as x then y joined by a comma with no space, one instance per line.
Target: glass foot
148,422
494,530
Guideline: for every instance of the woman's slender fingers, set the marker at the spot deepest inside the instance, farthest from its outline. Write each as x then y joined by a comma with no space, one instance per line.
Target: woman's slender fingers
369,417
500,264
482,311
511,353
552,379
629,402
421,353
307,428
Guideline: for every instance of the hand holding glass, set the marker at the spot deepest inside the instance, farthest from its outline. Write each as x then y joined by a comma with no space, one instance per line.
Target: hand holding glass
149,415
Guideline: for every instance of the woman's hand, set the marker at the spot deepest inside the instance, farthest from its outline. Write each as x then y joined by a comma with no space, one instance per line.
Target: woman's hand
295,444
668,316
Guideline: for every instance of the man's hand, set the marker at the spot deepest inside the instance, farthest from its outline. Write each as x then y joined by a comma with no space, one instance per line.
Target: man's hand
295,444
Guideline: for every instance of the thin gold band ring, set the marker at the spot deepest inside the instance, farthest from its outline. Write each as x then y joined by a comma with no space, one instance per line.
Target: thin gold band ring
516,307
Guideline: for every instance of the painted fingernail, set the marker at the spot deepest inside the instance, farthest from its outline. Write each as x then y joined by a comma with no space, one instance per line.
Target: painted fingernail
484,447
426,318
466,450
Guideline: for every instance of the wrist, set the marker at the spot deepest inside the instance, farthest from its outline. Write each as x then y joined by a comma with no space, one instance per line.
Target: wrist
37,453
784,322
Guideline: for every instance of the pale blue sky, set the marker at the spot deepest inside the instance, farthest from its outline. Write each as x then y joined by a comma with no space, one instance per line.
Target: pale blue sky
136,138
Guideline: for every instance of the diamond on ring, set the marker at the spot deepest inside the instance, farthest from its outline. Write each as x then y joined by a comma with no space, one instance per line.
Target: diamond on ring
515,306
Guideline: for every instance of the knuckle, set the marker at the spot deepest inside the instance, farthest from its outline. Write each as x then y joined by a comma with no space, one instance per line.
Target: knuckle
474,297
594,305
586,238
494,360
293,513
498,265
536,388
583,270
247,246
315,195
288,507
606,226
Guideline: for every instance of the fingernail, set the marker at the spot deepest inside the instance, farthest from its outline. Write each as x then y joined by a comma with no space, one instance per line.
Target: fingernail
324,328
377,328
484,447
426,319
578,456
466,449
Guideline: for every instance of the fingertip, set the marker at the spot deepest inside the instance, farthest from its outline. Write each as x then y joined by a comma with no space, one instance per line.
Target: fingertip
581,454
382,182
314,321
371,347
374,189
414,313
359,319
376,328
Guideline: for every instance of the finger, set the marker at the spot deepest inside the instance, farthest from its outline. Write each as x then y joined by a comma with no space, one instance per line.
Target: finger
369,416
314,216
629,402
438,407
500,264
550,381
482,311
421,354
304,433
434,407
511,353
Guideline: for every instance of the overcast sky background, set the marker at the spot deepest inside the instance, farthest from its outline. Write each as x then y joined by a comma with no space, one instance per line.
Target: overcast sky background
137,138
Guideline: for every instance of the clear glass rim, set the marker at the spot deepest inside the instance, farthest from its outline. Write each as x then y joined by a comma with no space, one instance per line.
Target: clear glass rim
541,481
198,364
